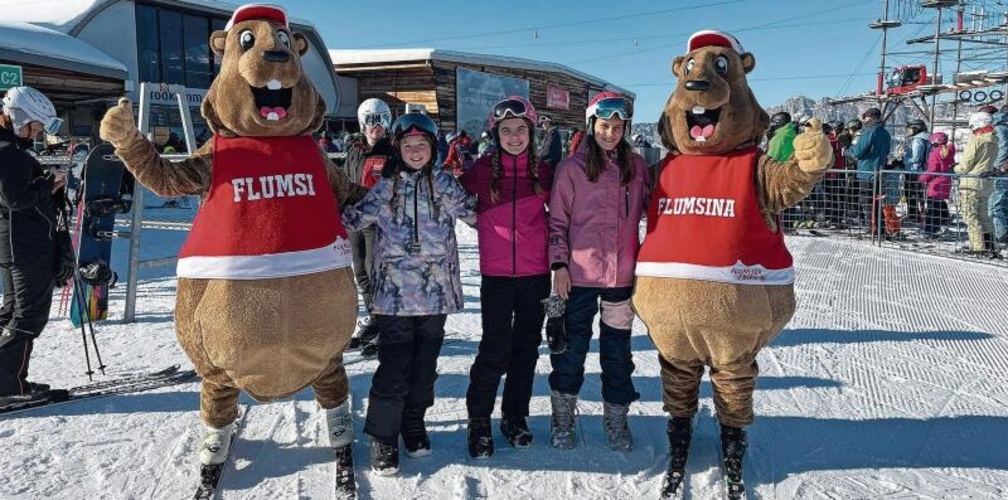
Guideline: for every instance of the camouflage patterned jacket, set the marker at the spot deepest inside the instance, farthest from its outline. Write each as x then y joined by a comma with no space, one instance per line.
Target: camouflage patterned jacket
416,262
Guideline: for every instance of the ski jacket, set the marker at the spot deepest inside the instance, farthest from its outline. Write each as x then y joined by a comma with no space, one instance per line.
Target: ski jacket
870,149
1001,133
940,160
27,215
916,155
551,150
416,270
781,145
594,227
838,158
977,159
512,229
364,162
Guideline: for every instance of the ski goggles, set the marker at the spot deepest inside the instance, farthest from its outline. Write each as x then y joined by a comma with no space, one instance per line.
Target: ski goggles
418,121
377,119
610,107
511,108
52,125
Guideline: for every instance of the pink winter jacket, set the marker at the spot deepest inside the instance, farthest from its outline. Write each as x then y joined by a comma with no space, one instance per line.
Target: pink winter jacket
940,160
512,230
594,227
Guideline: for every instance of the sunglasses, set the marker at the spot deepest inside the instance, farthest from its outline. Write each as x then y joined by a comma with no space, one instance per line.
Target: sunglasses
612,106
375,120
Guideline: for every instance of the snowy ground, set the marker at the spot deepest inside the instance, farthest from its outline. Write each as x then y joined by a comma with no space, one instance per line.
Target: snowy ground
891,382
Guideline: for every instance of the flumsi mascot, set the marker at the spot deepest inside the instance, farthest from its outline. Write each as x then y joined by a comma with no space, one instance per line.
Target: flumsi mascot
714,278
266,300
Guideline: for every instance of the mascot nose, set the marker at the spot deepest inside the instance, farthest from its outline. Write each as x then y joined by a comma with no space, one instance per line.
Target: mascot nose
697,85
275,55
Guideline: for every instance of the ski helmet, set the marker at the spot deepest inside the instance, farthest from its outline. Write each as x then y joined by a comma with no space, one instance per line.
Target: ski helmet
836,125
873,113
939,138
980,120
409,123
606,105
916,126
780,119
373,112
854,125
24,105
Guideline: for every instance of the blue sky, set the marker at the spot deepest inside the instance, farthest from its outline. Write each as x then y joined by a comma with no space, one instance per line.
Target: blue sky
814,48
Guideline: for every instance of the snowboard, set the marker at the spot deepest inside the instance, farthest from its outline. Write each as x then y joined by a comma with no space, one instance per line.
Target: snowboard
100,198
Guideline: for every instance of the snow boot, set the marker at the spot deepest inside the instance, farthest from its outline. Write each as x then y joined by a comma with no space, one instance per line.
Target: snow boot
216,444
385,457
370,348
680,434
367,329
733,448
516,431
346,485
414,433
480,438
340,425
614,418
562,422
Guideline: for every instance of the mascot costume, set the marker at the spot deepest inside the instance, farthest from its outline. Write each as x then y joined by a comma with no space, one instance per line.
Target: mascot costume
266,301
714,279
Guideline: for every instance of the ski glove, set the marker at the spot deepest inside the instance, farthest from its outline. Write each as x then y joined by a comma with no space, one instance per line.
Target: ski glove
556,327
65,260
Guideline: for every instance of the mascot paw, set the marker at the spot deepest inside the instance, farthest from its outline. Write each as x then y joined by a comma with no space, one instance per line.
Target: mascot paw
812,149
118,126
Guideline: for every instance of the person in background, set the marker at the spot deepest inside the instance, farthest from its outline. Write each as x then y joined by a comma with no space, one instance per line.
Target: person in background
595,210
458,153
326,144
575,142
915,159
27,236
417,284
780,136
551,150
364,163
974,191
513,188
937,187
835,180
870,149
997,206
486,145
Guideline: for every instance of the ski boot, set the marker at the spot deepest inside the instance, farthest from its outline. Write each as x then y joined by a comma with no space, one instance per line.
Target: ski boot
480,438
340,425
385,457
614,418
414,434
367,329
562,422
733,448
516,431
216,445
680,433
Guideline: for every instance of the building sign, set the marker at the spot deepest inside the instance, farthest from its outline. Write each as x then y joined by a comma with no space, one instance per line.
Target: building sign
164,95
476,92
10,76
557,98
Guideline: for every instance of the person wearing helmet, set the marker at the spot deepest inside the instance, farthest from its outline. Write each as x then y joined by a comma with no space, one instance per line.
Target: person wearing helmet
836,183
364,163
551,150
938,187
997,206
915,157
974,191
870,149
780,136
417,284
512,186
595,208
27,227
486,145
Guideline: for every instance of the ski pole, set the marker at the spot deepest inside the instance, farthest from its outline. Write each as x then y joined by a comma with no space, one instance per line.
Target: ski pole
79,303
94,342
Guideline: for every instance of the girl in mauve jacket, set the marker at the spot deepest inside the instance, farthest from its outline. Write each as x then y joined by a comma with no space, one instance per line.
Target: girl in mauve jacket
594,234
512,186
938,187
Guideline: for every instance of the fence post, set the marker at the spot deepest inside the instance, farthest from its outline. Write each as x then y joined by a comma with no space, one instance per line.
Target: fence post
133,270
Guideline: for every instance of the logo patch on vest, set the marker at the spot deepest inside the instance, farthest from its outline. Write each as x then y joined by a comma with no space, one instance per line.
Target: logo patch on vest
694,205
265,187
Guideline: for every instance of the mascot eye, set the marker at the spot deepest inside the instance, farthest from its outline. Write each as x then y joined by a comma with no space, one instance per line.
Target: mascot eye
284,39
721,65
246,39
689,66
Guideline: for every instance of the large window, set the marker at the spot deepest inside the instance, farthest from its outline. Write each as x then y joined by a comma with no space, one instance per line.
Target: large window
174,46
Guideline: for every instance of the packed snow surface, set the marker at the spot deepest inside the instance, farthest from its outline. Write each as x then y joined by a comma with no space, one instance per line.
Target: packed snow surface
890,382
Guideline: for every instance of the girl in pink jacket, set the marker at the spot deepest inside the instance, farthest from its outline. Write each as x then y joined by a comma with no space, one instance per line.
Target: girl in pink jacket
940,160
594,234
512,186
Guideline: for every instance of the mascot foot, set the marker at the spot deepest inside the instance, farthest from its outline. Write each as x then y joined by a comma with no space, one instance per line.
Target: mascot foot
562,423
733,448
414,434
480,439
216,445
680,433
385,457
346,485
614,417
340,425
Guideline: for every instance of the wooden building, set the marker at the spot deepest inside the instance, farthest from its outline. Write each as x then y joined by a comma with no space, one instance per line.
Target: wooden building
459,88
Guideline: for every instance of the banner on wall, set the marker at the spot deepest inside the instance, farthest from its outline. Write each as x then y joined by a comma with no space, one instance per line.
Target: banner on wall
476,92
557,98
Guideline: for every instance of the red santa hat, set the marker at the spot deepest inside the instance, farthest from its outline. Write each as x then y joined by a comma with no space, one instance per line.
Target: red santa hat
251,11
706,38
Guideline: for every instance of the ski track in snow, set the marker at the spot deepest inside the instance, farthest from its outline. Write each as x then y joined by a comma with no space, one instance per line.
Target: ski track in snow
890,382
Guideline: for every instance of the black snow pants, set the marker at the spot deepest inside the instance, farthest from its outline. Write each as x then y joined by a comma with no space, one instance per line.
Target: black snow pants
27,298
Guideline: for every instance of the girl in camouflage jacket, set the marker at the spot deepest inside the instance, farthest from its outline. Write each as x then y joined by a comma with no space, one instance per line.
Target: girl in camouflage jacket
416,284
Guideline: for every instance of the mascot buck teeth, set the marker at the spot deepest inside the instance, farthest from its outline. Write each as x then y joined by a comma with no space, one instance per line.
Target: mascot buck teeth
266,300
714,279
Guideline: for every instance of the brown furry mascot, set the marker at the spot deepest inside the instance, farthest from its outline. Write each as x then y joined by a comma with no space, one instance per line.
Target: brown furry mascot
715,281
266,300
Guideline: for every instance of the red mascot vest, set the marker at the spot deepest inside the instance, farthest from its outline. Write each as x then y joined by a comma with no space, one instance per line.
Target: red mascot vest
269,213
704,223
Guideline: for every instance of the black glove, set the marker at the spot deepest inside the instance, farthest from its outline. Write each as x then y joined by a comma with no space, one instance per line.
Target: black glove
556,325
65,260
390,168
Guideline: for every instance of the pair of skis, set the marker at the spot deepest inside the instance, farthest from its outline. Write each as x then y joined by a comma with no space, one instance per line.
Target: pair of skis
674,483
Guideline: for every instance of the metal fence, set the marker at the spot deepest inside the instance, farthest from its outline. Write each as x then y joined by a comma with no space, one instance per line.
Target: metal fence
894,209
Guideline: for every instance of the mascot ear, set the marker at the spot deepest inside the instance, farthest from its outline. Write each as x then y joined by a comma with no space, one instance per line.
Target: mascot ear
300,44
748,62
676,64
218,41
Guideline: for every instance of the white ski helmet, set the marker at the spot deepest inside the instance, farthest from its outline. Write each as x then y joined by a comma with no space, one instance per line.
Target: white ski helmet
24,105
980,120
374,112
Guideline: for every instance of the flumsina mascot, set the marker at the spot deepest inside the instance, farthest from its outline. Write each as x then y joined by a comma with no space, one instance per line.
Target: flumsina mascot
714,278
266,300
